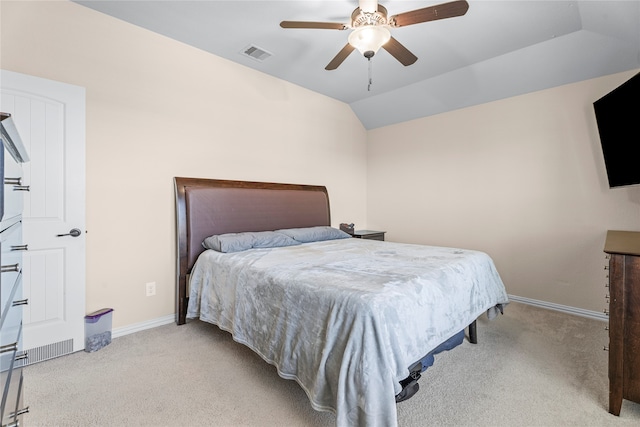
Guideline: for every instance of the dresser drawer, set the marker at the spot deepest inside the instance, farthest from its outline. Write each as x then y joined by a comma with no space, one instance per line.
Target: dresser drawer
11,298
13,188
11,241
369,234
10,350
11,236
12,409
11,318
10,277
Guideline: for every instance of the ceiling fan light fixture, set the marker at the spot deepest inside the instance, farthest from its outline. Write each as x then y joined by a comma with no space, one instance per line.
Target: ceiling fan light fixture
368,6
369,38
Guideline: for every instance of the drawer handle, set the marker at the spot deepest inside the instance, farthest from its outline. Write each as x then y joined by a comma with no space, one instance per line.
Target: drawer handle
9,347
23,356
9,268
20,188
13,181
20,302
19,247
19,412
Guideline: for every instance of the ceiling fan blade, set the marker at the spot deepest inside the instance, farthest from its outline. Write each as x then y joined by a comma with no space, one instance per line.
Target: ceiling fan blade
340,57
313,25
398,51
431,13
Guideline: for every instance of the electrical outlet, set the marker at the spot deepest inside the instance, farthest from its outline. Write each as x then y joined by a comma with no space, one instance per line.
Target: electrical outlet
151,289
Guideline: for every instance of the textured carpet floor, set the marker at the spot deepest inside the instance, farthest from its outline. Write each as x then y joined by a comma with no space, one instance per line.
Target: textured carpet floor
531,367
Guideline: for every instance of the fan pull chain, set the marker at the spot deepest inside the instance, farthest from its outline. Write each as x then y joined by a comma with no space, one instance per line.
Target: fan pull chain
370,78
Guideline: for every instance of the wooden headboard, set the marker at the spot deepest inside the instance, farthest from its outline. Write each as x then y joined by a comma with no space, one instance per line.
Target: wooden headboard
205,207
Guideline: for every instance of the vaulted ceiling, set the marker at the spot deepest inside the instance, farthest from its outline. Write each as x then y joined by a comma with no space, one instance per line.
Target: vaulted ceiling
497,49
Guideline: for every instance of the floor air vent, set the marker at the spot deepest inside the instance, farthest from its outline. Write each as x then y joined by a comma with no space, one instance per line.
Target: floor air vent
46,352
256,53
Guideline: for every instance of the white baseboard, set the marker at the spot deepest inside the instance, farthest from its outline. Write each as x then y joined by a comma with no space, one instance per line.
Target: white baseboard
563,308
137,327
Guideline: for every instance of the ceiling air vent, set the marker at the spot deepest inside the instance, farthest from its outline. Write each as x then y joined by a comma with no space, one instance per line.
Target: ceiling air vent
256,53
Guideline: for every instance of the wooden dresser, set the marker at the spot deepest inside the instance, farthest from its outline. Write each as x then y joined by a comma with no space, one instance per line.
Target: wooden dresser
624,317
12,155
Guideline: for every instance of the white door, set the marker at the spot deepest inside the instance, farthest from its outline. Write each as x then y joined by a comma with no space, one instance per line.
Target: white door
50,117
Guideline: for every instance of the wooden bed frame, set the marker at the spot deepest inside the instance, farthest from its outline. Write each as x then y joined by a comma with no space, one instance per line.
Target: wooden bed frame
205,207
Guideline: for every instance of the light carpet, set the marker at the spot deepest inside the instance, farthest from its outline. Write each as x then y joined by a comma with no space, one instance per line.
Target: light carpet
531,367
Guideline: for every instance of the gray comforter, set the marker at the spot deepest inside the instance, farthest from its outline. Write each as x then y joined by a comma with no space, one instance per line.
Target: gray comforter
345,318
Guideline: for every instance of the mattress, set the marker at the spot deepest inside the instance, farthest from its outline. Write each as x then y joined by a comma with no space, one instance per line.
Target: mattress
345,318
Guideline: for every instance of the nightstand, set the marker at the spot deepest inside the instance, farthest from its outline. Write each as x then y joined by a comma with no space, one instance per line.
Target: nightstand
369,234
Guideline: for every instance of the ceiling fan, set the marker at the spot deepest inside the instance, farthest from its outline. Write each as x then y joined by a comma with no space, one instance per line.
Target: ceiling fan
370,23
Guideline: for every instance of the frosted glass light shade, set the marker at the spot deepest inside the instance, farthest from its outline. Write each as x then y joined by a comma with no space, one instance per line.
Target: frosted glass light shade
369,38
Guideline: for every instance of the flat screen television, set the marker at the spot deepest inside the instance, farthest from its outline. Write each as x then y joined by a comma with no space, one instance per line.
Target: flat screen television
618,118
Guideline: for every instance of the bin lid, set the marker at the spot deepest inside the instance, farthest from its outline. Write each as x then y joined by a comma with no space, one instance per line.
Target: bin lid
96,314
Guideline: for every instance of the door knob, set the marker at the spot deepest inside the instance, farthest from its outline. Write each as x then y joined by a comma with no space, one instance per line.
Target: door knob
74,232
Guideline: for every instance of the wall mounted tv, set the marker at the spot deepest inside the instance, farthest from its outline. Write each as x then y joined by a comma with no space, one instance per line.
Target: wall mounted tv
618,118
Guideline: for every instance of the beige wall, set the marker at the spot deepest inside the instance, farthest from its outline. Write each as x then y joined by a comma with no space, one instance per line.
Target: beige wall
157,109
522,179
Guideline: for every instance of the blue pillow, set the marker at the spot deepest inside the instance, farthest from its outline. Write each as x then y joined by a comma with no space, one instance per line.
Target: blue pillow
237,242
314,234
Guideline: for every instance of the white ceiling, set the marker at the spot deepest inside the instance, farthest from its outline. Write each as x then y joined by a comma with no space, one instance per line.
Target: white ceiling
498,49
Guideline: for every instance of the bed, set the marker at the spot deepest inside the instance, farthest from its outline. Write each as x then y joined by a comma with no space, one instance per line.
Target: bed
353,321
